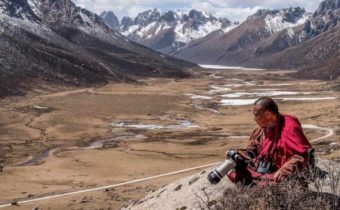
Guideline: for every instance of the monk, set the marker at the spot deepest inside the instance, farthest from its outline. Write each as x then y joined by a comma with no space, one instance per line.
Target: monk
277,148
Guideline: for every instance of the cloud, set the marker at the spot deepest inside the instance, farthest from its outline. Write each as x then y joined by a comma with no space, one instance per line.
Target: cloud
232,9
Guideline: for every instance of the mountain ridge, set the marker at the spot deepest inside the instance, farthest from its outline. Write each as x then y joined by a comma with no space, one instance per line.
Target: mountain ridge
170,31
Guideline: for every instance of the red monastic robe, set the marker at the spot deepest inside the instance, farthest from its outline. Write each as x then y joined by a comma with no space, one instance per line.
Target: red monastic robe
285,144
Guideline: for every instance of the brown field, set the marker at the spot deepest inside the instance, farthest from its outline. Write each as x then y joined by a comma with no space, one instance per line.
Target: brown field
62,142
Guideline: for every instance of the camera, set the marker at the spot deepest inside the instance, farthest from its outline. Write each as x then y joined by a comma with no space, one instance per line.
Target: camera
216,175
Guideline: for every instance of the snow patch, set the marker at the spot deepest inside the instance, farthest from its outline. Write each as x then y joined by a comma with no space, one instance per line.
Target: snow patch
237,102
277,23
227,29
130,30
217,89
208,66
143,33
185,124
198,96
186,35
261,94
307,99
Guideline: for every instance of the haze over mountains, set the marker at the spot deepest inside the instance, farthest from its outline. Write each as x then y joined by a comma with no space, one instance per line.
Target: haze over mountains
281,39
56,41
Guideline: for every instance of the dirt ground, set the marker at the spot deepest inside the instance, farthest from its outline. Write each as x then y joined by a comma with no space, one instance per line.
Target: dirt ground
77,139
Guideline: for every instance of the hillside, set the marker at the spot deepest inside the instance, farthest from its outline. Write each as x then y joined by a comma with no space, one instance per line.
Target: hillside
59,43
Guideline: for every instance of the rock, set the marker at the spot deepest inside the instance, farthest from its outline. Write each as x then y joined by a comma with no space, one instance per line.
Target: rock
83,200
14,203
186,193
36,208
195,192
178,187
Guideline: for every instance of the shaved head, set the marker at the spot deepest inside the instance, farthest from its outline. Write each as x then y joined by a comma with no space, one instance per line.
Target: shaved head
267,104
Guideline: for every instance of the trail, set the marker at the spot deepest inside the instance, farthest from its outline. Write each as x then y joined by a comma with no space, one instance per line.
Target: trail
108,186
308,126
329,130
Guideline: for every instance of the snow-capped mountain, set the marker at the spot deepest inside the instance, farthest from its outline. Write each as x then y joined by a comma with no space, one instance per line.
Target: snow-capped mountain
54,41
277,20
277,39
325,18
171,31
318,55
238,45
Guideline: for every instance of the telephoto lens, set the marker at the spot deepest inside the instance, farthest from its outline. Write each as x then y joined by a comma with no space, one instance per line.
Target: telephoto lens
216,175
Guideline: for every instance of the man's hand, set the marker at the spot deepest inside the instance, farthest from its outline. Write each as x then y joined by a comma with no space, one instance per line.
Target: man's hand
278,176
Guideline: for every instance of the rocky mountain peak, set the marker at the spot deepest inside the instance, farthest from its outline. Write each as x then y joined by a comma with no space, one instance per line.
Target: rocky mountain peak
277,20
125,23
324,18
170,17
198,18
18,9
325,6
57,13
198,15
147,17
293,14
226,22
169,31
259,14
111,19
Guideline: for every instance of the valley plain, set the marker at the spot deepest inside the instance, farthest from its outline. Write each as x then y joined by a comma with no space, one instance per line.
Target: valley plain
74,139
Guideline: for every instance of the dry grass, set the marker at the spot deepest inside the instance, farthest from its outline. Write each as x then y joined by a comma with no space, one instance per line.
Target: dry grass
323,193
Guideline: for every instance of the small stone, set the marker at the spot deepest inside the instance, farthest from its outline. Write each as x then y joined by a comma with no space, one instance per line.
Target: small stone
14,203
83,200
193,180
36,208
178,187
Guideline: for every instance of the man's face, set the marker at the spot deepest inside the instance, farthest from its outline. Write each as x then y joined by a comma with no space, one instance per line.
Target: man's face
261,116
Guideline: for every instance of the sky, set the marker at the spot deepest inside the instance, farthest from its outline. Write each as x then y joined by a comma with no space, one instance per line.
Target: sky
235,10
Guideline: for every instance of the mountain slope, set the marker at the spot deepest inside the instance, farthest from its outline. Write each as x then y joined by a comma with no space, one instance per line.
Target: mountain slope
285,39
238,45
318,56
56,41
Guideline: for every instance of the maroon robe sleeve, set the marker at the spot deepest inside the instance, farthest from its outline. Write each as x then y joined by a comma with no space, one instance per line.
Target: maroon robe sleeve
253,144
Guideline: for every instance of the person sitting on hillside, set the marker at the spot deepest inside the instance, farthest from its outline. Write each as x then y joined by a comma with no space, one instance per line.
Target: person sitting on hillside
277,148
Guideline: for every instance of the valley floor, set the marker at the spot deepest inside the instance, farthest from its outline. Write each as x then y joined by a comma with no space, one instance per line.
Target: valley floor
85,138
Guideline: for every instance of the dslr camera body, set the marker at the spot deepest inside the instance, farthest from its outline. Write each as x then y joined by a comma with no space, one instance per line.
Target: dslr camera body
216,175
